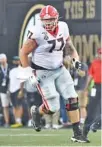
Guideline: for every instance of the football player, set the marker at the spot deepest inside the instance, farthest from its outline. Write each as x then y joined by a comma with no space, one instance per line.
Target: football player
46,41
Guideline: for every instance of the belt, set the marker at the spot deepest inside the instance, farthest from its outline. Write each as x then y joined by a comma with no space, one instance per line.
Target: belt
37,67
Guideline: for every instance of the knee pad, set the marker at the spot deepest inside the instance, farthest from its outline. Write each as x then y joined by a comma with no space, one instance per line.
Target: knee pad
72,104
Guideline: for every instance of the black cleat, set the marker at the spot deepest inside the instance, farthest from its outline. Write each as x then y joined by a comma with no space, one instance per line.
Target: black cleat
80,139
36,118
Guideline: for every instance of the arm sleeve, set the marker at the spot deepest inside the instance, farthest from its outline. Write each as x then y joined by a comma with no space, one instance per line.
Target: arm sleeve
33,33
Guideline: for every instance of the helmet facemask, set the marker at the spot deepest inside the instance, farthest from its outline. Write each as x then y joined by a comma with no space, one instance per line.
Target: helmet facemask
50,24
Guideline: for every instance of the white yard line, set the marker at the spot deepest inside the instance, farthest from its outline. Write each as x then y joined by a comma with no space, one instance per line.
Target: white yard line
35,146
49,146
41,135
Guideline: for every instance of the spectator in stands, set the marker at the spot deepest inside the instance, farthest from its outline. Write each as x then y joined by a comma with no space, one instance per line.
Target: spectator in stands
4,81
16,93
52,121
95,99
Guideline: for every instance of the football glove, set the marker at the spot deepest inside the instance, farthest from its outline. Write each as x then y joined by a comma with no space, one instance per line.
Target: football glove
77,64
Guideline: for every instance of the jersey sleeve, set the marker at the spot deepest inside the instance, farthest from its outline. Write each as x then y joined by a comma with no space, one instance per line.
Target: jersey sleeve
66,31
32,33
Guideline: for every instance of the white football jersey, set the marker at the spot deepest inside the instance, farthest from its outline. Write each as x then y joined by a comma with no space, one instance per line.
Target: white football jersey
49,53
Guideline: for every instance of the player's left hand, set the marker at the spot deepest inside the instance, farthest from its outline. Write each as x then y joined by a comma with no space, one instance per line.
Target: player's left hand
77,64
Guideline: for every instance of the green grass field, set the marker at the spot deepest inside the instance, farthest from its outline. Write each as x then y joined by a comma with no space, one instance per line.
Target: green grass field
28,137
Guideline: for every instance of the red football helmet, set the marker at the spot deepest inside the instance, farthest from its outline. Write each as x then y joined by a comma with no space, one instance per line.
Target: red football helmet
49,17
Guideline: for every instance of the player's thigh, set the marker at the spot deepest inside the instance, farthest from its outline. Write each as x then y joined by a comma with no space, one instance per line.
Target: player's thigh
4,100
83,101
51,95
48,89
47,84
65,85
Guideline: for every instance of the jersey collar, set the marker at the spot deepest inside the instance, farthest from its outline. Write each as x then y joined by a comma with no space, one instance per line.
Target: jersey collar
55,32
